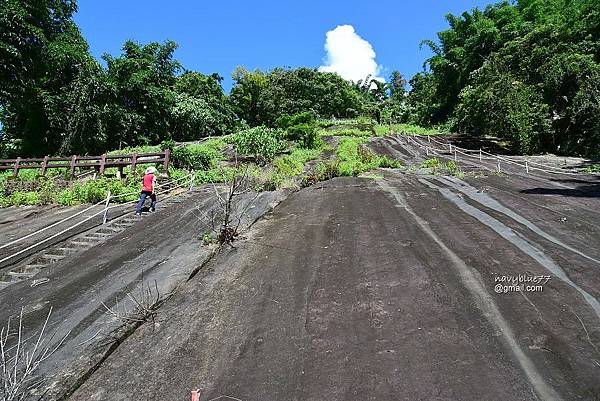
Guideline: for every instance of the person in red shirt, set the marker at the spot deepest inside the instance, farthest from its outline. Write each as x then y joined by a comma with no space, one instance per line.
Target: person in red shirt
148,183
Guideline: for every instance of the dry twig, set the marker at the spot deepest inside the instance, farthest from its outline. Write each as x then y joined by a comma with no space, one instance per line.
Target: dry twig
20,359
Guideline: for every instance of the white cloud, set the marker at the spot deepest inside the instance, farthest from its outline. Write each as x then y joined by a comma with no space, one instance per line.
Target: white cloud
349,55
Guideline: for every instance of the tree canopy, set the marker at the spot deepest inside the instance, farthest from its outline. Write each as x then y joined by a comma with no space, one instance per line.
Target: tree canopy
526,71
56,98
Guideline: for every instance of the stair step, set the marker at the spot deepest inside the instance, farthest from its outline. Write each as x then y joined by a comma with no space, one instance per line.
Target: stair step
53,256
15,276
56,252
34,267
81,244
96,236
68,248
107,231
86,239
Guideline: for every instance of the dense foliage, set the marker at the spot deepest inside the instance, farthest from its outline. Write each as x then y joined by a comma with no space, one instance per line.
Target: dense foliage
55,98
260,143
260,98
527,71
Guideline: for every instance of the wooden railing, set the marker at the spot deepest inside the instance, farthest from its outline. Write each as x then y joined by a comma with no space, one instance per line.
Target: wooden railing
99,163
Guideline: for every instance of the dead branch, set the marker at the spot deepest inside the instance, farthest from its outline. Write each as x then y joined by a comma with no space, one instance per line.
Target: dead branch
20,361
141,308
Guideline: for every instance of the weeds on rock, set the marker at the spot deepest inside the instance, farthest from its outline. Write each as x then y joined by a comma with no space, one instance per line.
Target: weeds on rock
142,306
21,357
226,217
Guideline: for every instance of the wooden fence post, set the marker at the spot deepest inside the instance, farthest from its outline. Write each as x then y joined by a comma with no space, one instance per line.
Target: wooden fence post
16,170
102,164
44,165
167,159
133,163
72,167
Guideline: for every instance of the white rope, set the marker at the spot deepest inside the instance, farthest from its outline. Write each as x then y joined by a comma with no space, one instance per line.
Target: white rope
51,237
546,169
83,211
50,226
85,220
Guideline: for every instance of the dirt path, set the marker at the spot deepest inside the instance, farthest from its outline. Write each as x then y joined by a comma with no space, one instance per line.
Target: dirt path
359,289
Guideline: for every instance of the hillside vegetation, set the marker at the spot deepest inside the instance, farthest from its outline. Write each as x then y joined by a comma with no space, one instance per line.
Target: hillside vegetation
525,71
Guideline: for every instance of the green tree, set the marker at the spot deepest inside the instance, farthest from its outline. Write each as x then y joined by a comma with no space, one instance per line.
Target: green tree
534,63
42,52
261,98
140,83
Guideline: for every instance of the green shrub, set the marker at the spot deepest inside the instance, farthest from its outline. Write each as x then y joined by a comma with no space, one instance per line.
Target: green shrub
286,121
219,174
21,198
305,134
430,163
202,156
261,143
300,128
452,167
355,159
293,164
195,157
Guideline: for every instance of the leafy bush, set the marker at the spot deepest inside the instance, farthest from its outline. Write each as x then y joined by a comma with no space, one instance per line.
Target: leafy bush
20,199
301,128
261,143
593,168
431,163
305,134
286,121
355,159
196,157
293,164
219,174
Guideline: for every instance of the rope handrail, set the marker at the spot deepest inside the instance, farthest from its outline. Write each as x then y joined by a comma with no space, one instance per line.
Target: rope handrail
50,226
111,197
104,210
547,169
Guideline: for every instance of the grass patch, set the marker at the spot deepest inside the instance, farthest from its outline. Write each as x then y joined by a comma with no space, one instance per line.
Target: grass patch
352,159
439,167
293,164
355,159
202,156
345,132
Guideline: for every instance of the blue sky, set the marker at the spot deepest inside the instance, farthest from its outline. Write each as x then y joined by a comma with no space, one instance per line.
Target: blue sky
217,36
